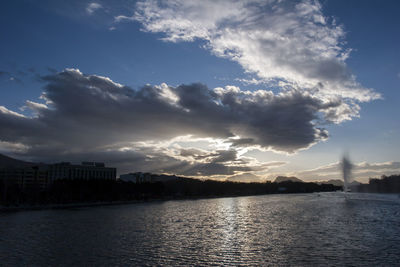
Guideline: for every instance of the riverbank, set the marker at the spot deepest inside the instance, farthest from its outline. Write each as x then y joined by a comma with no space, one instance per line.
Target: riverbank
87,193
71,205
14,208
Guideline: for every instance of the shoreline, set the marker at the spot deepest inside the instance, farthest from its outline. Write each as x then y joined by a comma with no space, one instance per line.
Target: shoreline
66,205
4,209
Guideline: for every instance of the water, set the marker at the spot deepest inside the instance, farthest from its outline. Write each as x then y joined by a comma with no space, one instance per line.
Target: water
287,230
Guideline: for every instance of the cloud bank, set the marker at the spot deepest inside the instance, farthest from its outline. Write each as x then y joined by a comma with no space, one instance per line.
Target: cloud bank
86,110
83,114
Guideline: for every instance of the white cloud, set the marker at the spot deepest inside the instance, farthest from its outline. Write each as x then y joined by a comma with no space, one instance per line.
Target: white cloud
122,18
92,7
15,147
6,111
275,40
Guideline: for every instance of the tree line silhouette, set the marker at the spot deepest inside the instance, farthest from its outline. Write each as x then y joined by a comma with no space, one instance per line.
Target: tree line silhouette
65,191
387,184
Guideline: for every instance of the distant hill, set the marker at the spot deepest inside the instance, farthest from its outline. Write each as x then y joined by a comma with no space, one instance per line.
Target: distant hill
245,177
280,179
335,182
7,162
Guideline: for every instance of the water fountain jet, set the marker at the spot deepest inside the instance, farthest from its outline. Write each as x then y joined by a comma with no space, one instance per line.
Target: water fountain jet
346,170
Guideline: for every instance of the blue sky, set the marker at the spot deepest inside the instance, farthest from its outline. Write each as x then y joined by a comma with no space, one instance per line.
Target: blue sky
138,43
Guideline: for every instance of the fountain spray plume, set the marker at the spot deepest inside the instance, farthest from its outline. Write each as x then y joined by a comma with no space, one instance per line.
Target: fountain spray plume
346,170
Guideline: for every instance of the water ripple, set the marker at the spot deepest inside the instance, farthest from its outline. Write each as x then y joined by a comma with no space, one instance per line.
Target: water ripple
274,230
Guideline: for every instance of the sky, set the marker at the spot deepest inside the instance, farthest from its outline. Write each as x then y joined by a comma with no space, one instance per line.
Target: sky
227,90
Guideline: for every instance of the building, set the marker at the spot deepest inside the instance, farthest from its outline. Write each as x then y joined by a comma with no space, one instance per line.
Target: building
87,170
29,177
40,176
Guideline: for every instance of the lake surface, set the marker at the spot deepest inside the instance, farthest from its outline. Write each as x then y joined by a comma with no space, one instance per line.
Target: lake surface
326,229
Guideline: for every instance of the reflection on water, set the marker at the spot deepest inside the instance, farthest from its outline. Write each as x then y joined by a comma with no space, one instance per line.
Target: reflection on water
298,230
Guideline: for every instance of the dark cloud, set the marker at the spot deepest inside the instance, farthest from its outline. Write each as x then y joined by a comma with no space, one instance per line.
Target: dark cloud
241,141
88,110
192,152
89,114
